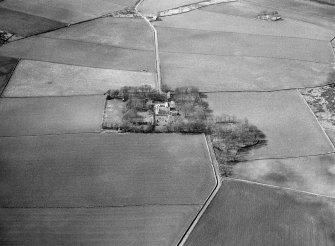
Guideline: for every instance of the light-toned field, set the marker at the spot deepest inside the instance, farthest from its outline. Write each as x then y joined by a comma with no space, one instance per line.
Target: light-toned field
154,6
67,11
23,24
7,65
292,11
313,174
205,20
227,73
290,127
237,44
123,226
113,115
79,53
121,32
35,78
245,214
76,170
50,115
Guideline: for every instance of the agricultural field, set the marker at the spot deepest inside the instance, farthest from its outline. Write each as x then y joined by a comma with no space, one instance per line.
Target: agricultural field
89,170
331,135
273,113
154,6
120,32
298,12
212,73
179,40
24,25
211,21
66,11
78,53
149,225
313,173
50,115
248,214
7,66
36,78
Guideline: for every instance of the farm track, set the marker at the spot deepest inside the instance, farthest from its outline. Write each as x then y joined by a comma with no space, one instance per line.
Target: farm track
252,182
215,168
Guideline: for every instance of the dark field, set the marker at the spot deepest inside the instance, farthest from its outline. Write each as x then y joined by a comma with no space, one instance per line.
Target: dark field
313,174
291,129
50,115
104,170
237,44
67,11
7,65
227,73
121,32
244,214
133,226
79,53
24,25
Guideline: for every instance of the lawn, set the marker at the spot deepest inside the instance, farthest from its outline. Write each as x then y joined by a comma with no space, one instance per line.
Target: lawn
24,25
226,73
36,78
114,112
121,32
50,115
79,53
313,174
66,11
80,170
179,40
128,226
211,21
7,65
245,214
291,129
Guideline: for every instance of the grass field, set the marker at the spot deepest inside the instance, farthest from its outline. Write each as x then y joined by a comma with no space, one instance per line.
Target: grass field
7,65
246,214
237,44
67,11
50,115
35,78
150,225
313,174
104,170
154,6
23,24
224,73
204,20
303,11
80,53
121,32
290,128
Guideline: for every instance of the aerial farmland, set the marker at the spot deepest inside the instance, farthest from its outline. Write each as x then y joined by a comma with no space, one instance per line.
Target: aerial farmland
236,99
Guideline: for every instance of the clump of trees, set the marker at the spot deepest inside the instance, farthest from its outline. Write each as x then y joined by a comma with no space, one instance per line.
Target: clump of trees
4,37
231,138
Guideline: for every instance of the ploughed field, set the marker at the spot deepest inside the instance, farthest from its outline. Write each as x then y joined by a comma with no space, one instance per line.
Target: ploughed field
50,115
249,214
106,189
104,170
124,226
